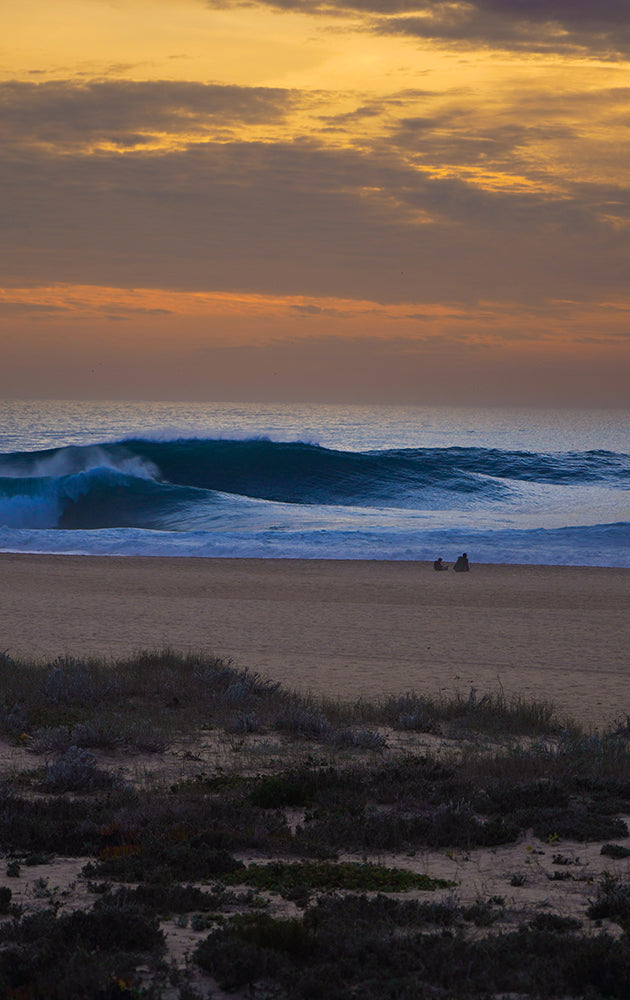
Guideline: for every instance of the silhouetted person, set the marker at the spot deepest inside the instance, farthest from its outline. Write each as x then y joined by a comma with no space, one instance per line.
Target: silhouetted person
439,565
462,565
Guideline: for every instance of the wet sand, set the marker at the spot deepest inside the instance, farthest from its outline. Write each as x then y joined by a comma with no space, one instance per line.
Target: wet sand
341,628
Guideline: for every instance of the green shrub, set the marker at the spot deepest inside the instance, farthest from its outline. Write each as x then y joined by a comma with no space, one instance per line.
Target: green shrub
282,877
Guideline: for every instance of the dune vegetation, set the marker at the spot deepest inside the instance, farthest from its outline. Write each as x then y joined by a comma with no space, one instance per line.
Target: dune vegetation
227,833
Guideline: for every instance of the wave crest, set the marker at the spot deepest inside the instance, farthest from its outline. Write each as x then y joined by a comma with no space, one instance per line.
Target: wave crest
171,485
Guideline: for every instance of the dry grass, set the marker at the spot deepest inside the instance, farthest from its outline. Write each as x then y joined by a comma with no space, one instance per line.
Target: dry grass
148,700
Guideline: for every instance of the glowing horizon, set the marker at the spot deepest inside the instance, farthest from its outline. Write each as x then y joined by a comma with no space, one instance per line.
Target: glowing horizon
344,199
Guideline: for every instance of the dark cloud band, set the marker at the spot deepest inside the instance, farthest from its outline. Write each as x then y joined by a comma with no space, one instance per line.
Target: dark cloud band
579,26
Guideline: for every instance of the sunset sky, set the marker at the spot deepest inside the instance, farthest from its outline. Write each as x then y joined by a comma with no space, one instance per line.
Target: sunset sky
337,200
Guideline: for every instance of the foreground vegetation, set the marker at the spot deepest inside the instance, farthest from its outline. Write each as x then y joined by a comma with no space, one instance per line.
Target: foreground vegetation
254,856
144,702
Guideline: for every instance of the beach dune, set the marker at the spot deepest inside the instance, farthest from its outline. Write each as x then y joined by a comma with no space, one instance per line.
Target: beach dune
341,628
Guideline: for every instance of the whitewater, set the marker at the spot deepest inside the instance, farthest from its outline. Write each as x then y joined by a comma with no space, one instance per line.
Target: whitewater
333,482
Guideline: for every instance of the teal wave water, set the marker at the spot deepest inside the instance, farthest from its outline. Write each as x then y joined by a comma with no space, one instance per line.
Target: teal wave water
231,492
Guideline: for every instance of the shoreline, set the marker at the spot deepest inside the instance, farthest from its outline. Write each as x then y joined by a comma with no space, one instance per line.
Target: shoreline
43,553
341,628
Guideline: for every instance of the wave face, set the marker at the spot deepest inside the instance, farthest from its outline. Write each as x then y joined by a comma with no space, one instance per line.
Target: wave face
257,496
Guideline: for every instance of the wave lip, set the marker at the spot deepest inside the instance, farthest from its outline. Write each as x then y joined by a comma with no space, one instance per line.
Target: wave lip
296,472
70,460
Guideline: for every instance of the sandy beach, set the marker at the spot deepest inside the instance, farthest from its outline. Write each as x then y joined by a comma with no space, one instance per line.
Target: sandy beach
346,629
336,628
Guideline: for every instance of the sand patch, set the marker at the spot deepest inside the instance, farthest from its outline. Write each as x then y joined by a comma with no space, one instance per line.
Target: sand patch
340,628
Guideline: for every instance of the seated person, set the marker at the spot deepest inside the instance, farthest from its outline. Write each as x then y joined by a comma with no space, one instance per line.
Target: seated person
438,564
462,565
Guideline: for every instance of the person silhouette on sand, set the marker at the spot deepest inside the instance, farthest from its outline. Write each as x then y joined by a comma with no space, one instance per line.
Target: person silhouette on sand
439,565
462,565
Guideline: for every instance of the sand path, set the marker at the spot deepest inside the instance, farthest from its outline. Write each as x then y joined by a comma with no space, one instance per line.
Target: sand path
346,628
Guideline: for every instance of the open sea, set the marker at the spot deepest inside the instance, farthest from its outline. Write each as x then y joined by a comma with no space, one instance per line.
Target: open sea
315,481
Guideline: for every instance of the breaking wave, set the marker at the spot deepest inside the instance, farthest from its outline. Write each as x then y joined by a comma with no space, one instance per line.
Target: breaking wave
260,497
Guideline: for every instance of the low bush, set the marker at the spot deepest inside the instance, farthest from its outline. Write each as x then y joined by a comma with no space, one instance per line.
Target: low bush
165,900
511,796
298,786
366,739
75,955
235,962
553,923
612,901
447,826
575,823
616,851
56,824
380,948
163,863
306,722
284,878
76,771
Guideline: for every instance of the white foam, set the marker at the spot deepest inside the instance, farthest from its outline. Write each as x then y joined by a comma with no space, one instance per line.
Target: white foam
600,546
73,460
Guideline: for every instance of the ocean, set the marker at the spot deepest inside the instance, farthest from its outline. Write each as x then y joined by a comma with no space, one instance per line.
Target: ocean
315,481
